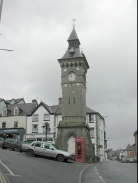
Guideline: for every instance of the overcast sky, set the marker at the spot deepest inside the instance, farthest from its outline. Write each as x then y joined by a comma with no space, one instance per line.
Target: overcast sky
37,31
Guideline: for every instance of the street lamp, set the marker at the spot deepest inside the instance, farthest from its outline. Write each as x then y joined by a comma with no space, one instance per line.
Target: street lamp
47,129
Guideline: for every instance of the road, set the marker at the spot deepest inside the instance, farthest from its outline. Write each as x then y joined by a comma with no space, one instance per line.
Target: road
20,168
111,172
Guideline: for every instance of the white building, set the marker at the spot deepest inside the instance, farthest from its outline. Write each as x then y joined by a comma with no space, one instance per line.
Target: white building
13,119
27,121
6,103
36,123
123,154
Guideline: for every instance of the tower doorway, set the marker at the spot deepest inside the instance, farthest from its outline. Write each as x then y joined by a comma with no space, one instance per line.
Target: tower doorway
71,145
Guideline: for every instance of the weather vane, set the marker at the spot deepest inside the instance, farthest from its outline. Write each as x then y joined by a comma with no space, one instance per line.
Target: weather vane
74,22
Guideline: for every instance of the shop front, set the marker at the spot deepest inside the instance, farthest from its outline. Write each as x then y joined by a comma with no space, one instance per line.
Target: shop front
39,137
14,133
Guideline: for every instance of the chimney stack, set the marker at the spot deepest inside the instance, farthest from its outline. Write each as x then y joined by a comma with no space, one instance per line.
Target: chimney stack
60,101
34,101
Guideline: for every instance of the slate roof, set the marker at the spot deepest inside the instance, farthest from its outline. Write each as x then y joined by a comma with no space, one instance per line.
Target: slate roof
16,100
54,108
74,51
73,35
77,54
50,109
88,111
25,109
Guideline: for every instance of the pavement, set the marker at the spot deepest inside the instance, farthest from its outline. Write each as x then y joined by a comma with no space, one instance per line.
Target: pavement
3,177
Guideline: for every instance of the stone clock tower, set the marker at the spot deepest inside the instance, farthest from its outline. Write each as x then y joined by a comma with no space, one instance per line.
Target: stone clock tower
74,68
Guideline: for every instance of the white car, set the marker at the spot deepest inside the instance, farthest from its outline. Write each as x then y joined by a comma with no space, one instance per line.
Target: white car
46,149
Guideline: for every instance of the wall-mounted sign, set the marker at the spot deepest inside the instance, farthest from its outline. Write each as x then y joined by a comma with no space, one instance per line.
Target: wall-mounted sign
12,131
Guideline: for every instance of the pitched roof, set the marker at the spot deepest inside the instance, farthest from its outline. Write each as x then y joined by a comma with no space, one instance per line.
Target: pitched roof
88,110
2,99
26,109
77,54
73,36
54,108
45,106
74,51
16,100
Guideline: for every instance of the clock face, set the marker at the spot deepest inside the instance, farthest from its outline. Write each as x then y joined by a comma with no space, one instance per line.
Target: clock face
71,76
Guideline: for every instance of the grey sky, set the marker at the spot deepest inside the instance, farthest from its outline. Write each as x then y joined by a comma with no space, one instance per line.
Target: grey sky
37,31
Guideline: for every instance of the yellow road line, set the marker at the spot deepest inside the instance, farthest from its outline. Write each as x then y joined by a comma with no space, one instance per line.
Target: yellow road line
2,179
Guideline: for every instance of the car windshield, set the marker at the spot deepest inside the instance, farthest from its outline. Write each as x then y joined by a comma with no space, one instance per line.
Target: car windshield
10,140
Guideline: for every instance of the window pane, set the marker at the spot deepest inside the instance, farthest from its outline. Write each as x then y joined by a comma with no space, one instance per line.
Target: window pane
46,117
3,124
35,128
15,124
35,117
92,132
4,112
16,112
91,118
39,144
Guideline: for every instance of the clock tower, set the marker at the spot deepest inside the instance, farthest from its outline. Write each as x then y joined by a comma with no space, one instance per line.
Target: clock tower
74,68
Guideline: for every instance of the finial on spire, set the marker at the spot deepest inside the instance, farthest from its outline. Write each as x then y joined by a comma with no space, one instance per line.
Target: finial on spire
74,22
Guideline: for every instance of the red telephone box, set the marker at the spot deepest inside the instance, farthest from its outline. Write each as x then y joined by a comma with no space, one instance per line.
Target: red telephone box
80,149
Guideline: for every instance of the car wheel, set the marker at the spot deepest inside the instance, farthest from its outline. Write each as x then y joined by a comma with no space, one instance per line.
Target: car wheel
3,147
30,152
60,158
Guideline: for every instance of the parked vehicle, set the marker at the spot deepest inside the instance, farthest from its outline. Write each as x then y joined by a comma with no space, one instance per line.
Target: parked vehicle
46,149
123,160
135,160
1,141
131,160
25,146
10,143
27,142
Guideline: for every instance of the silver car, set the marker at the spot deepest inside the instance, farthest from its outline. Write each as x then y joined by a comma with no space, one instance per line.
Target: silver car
46,149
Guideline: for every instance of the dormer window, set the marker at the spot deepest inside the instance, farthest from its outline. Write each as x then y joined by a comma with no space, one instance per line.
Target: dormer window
4,112
16,111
